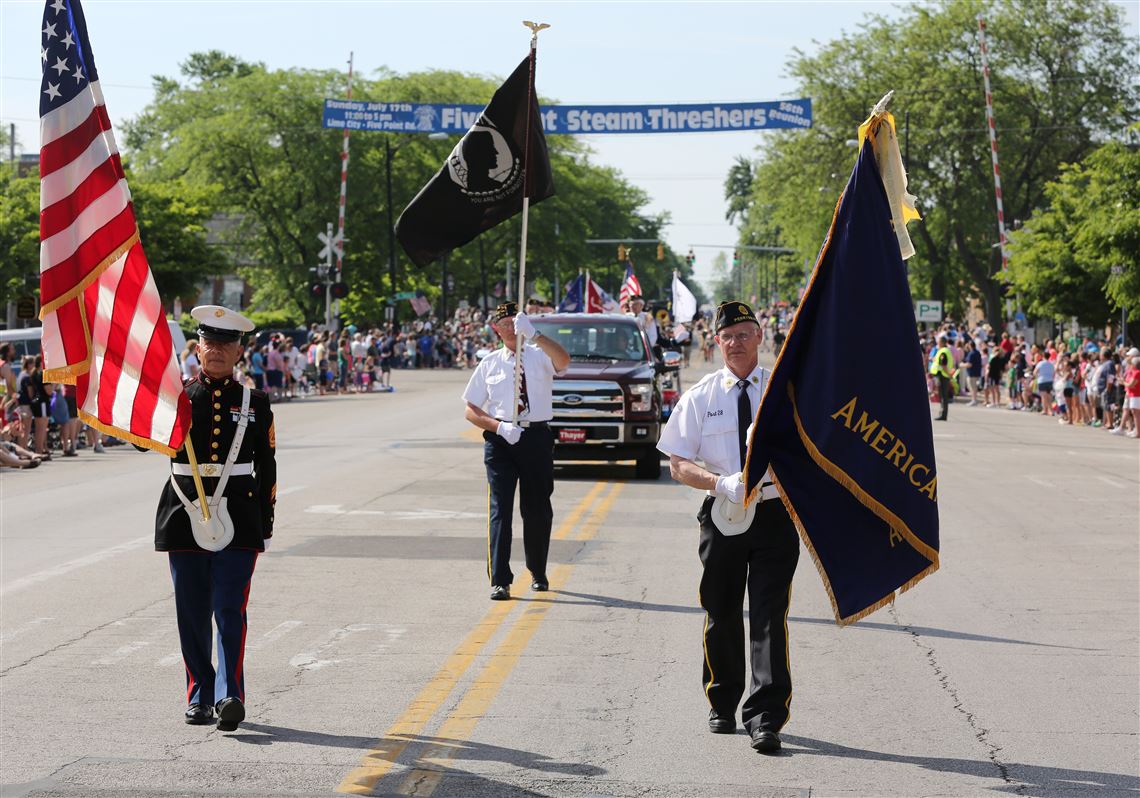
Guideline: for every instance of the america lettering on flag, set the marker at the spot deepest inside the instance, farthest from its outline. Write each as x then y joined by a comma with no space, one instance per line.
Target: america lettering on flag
104,326
630,287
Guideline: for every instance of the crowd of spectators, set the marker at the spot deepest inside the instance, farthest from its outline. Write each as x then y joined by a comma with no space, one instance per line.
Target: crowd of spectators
357,361
1078,381
38,417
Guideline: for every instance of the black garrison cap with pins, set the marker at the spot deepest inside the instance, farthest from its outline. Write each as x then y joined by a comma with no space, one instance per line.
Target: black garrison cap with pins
730,313
505,310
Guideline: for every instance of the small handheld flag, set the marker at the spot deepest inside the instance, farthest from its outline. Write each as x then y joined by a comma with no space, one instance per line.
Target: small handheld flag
630,287
852,451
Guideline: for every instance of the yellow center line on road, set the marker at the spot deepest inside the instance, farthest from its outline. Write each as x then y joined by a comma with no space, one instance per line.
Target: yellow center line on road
381,757
460,724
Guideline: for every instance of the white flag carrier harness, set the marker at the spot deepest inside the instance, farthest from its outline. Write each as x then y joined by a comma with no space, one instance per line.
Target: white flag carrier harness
218,532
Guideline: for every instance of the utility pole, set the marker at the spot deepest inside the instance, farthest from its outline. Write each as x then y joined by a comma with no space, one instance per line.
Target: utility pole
443,301
328,279
391,234
556,289
483,277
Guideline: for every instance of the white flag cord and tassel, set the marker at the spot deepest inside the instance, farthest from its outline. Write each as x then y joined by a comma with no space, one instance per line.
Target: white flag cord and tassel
534,29
891,171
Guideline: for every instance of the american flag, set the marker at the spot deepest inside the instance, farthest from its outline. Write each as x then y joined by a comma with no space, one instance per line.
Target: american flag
104,326
631,287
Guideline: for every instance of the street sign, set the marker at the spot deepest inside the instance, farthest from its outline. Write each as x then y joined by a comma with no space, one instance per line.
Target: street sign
928,310
26,307
337,245
405,294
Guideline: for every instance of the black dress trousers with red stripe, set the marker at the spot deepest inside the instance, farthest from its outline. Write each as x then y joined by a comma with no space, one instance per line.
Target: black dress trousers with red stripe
212,585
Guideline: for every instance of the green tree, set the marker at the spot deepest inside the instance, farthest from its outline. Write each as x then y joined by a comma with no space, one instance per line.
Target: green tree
19,235
1062,262
1063,78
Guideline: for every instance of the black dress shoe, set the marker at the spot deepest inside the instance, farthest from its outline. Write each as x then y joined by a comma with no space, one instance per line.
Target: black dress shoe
231,712
540,584
199,714
500,593
721,724
765,741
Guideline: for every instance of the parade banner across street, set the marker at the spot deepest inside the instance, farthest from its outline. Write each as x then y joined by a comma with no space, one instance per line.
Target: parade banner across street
399,117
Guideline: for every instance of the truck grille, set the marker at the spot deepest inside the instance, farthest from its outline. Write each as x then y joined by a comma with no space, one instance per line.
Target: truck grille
579,399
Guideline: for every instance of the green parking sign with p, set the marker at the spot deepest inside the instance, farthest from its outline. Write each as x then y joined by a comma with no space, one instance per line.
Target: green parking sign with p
928,310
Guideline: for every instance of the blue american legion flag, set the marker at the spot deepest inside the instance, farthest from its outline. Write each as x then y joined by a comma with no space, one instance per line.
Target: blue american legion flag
850,449
104,325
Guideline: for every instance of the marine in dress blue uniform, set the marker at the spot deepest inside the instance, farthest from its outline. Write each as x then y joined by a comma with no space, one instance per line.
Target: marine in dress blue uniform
517,453
740,551
234,441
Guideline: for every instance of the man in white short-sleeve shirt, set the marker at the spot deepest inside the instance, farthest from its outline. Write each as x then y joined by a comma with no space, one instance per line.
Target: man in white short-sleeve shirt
517,452
706,440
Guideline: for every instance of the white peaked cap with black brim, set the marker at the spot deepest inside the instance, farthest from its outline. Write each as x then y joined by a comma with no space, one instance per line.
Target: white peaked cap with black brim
220,324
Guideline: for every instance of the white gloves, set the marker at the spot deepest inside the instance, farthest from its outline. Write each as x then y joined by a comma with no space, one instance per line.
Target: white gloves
731,487
508,431
524,326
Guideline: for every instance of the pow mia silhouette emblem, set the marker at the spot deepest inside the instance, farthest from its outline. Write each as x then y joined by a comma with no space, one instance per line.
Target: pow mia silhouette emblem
425,118
483,165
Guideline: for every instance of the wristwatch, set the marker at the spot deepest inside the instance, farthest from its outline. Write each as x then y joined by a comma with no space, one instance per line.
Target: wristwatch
536,336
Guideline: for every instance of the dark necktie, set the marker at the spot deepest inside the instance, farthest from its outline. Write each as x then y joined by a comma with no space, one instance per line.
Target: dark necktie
524,400
743,418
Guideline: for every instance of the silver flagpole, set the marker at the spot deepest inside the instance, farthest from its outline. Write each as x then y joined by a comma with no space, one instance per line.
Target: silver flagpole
534,29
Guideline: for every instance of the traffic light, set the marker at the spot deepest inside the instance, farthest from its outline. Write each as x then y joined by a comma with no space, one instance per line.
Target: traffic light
691,259
735,258
317,289
660,252
338,290
623,253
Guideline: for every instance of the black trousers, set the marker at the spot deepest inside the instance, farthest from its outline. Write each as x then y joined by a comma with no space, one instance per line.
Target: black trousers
530,465
945,395
761,561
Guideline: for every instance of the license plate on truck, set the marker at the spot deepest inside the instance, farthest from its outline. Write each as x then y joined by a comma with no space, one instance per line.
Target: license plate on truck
571,435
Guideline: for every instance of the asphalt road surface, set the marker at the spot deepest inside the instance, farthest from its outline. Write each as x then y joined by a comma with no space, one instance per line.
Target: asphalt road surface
377,665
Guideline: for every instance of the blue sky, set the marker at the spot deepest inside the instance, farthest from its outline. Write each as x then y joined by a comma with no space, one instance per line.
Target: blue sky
594,53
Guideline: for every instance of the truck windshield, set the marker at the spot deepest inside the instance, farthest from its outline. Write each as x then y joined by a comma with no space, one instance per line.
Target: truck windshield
609,340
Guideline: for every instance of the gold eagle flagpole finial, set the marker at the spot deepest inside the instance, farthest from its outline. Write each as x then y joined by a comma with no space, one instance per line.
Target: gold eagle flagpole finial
535,27
882,105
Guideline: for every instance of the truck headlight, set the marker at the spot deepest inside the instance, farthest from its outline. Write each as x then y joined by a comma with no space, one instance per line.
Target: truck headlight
640,397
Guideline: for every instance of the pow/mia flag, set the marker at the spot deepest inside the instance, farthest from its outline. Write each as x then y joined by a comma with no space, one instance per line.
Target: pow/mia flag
850,449
481,184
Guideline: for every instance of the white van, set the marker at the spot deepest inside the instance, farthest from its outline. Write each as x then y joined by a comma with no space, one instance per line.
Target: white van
27,341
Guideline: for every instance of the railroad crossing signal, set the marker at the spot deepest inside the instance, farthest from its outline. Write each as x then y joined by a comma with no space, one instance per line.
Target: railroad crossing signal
336,243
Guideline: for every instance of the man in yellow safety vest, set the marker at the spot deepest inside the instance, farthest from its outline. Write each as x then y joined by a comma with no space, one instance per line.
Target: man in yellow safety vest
942,367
